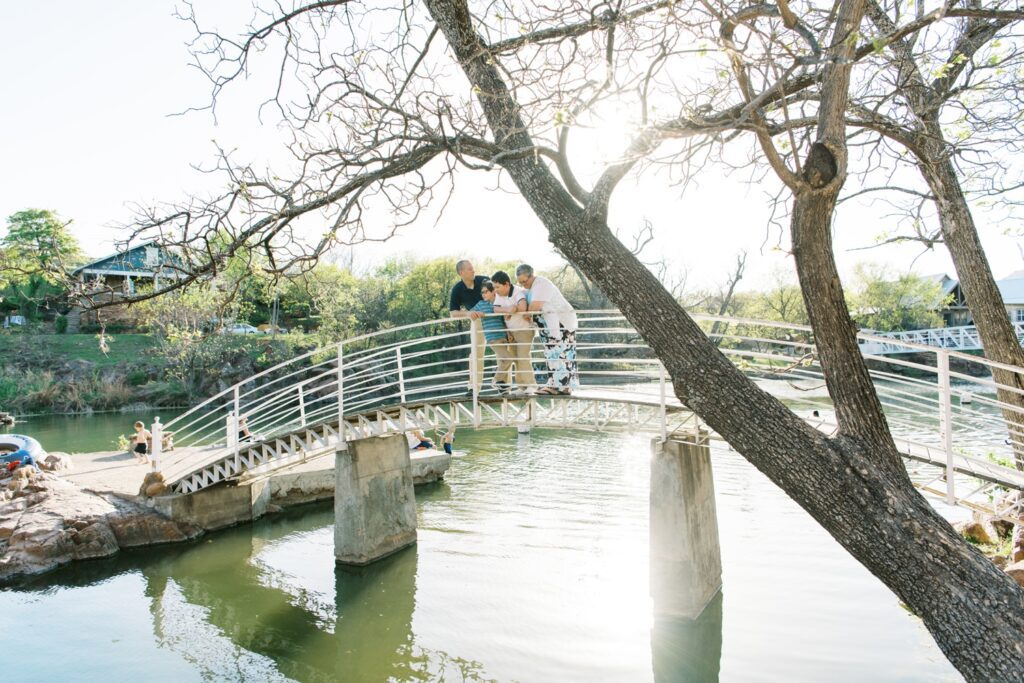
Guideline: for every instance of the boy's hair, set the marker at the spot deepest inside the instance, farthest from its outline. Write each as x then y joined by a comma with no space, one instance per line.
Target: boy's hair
502,278
488,285
139,425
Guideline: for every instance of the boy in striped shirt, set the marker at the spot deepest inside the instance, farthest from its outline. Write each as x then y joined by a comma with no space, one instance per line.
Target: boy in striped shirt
497,337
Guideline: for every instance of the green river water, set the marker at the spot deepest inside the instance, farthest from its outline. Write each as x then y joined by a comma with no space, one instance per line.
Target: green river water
531,565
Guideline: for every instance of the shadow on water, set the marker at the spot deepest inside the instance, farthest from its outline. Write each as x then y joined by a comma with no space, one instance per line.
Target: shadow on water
366,634
688,650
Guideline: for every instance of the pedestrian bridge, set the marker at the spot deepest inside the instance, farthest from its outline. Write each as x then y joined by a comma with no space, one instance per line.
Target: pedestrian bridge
963,338
947,423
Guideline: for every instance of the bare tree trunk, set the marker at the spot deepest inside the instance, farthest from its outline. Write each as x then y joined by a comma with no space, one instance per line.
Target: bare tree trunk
718,327
974,611
979,286
926,142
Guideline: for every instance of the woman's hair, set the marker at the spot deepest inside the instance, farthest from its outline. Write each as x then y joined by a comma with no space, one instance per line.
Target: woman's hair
502,278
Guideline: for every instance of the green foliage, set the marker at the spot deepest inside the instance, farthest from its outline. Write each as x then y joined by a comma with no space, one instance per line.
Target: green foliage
38,242
885,303
36,254
60,325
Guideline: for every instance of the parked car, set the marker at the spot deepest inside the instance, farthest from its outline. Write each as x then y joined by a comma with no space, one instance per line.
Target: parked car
240,328
267,328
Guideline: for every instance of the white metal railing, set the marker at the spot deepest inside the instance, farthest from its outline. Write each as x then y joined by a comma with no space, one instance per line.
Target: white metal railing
926,404
964,338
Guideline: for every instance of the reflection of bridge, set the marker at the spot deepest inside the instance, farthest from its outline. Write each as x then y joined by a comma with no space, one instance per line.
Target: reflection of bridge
951,338
415,377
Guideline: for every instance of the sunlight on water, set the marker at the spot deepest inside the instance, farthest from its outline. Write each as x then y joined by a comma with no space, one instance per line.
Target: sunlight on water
531,565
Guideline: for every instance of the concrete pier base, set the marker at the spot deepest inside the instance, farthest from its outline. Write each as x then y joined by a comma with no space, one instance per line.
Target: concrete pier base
216,507
686,561
374,503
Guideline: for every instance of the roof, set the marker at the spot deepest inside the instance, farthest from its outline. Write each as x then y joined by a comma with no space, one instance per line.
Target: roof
1012,291
947,283
128,261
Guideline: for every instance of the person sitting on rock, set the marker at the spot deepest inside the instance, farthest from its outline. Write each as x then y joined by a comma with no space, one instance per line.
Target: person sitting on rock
141,439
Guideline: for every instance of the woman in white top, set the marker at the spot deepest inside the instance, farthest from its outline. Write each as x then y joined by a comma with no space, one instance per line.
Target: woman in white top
511,300
557,323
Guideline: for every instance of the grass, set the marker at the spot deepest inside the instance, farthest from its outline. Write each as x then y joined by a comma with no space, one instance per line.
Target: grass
123,347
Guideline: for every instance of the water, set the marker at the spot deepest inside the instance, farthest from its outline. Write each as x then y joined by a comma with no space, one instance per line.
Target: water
86,433
531,566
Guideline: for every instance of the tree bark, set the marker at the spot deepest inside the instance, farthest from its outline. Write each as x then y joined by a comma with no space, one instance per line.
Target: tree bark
977,283
925,140
973,610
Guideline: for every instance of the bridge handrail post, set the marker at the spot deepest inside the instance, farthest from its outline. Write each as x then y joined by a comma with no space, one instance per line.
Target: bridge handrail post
946,420
157,433
664,402
341,395
474,379
401,375
238,415
302,405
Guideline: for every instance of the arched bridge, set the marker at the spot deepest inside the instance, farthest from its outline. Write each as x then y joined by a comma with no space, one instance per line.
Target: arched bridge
944,415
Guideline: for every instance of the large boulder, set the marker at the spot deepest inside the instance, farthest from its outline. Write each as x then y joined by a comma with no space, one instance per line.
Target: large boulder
47,522
1017,544
56,462
979,529
1016,572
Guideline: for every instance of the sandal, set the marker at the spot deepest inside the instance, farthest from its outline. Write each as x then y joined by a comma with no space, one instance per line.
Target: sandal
547,391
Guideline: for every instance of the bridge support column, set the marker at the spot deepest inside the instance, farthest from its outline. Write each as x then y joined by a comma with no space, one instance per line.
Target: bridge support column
374,504
686,561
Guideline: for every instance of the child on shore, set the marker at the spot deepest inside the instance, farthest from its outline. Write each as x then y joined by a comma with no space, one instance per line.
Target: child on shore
448,439
141,440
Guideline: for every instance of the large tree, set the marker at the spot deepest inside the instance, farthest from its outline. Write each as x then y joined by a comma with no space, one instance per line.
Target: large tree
950,98
390,104
37,253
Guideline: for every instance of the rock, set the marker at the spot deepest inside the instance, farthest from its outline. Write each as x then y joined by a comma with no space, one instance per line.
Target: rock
157,489
57,462
1017,544
1000,561
60,522
979,530
150,480
1016,572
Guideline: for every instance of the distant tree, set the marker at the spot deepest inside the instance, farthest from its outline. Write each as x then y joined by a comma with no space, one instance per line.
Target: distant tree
37,254
37,242
888,303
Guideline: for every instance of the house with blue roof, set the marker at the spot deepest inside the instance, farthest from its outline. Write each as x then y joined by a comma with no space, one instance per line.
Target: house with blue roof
144,264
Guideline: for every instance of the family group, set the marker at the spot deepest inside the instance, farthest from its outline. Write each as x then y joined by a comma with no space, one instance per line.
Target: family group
511,315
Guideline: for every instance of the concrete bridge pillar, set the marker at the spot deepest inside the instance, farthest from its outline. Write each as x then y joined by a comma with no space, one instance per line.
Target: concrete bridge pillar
374,504
686,561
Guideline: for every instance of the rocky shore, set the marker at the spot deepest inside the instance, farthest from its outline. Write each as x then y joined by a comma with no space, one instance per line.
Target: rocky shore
92,505
47,521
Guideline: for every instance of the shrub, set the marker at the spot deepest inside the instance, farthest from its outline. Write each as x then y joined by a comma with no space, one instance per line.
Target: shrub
60,325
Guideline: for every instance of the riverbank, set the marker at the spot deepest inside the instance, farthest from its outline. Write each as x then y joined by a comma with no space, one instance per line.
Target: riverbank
85,373
96,508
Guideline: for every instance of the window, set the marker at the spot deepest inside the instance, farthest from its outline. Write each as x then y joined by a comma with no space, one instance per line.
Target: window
1018,315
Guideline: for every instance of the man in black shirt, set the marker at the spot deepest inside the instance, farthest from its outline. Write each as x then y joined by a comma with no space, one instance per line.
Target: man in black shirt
465,295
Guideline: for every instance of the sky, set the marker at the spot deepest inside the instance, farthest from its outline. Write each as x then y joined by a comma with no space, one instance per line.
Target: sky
88,128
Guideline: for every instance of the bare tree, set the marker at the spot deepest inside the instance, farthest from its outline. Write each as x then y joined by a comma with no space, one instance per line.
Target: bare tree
935,78
390,104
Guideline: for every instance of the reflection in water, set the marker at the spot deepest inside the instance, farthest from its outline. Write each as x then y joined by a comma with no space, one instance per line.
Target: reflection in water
531,566
256,618
688,650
